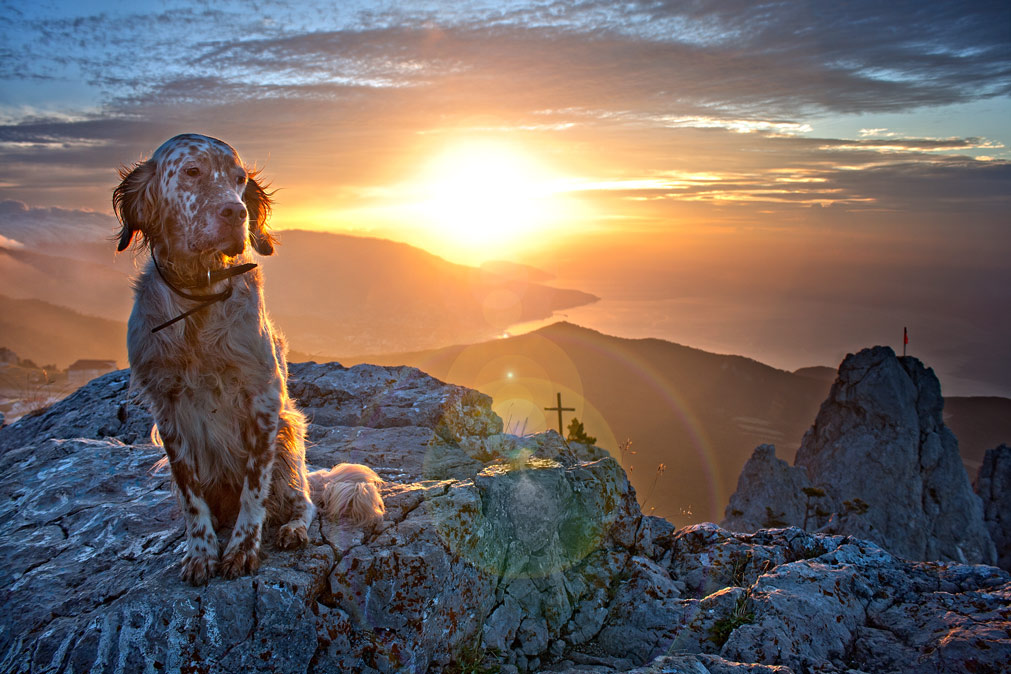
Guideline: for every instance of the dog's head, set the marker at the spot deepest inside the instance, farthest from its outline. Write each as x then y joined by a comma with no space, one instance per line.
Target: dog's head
194,197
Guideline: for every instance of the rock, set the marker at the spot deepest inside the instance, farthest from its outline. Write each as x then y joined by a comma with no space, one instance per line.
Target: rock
390,397
515,541
858,607
770,493
496,553
807,602
879,463
993,485
103,408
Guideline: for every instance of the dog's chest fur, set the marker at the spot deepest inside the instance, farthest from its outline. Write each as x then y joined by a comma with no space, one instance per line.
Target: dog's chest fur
199,392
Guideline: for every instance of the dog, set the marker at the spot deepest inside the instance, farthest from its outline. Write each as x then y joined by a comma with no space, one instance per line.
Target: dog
211,367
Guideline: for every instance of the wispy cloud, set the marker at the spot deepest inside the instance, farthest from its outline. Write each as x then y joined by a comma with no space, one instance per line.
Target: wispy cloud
782,57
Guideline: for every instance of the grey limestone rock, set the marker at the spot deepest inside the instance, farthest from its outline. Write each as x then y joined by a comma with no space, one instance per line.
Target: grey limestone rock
878,463
512,552
389,397
105,408
993,486
806,602
497,553
770,493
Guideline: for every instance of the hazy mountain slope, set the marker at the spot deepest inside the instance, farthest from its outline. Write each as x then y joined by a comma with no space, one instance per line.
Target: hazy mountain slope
334,293
47,333
701,414
67,280
329,293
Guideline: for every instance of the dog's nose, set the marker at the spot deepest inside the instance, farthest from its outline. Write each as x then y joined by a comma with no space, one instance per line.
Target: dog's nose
234,212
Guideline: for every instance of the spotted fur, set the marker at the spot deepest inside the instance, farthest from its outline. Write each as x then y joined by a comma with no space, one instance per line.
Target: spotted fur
216,381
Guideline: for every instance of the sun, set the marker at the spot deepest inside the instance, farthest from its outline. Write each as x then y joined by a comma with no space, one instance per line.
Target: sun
485,199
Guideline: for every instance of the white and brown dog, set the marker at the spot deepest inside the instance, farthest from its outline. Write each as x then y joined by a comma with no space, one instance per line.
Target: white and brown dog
211,366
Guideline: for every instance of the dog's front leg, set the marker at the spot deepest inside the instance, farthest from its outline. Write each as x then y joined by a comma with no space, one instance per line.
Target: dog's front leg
201,560
242,555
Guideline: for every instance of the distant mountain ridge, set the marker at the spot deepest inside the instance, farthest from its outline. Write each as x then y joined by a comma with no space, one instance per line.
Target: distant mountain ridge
700,414
329,293
334,293
47,333
697,412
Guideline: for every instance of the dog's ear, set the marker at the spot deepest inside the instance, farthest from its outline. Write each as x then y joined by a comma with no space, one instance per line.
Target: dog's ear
258,203
131,198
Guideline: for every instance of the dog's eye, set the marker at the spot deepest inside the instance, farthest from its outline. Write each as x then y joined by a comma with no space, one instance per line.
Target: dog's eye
192,171
240,180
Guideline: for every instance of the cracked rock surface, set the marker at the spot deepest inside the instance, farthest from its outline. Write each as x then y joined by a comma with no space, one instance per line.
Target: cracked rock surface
497,553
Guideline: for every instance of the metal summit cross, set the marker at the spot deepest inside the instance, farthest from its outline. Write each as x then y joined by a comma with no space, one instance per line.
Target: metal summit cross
560,409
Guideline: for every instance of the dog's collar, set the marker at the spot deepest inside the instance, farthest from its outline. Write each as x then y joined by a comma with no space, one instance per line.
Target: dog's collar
205,300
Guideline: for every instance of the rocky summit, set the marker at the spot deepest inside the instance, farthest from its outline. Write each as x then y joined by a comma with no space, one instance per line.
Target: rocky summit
497,554
878,464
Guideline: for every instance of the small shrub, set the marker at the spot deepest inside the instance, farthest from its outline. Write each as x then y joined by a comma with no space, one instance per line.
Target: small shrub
578,434
773,520
722,628
472,660
741,564
857,506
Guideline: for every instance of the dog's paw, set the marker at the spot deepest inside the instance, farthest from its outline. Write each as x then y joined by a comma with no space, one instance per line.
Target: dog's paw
240,561
198,568
292,535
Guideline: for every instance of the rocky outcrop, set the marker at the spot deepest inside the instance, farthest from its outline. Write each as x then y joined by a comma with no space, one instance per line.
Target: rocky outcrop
806,602
496,553
993,486
879,463
770,493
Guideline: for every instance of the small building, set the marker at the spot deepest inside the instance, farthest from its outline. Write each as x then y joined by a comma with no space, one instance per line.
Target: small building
83,371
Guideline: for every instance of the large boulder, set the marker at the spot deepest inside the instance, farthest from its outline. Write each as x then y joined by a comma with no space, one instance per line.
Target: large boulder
879,463
993,485
488,539
497,553
770,493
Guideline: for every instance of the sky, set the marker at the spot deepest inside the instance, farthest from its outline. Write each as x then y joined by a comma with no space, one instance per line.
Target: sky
842,164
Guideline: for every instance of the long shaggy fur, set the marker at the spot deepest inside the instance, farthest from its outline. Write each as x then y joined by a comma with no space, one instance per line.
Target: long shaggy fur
216,381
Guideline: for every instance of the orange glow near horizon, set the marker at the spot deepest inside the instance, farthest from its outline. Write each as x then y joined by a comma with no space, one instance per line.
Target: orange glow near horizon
470,200
478,200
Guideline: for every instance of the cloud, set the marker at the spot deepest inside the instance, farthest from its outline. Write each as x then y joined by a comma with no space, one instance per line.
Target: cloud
669,57
335,99
10,243
34,227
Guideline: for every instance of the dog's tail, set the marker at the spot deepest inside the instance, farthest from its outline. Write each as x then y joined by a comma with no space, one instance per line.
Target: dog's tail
348,492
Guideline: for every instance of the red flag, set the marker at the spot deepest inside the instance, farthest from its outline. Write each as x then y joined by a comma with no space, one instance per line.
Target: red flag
905,336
